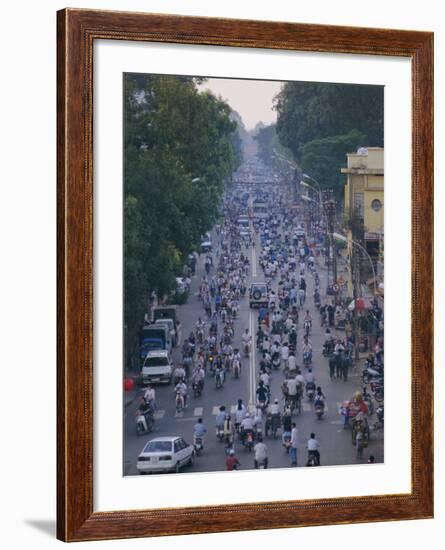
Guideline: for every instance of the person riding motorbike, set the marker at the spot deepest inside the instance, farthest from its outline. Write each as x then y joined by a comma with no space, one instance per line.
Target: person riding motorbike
313,447
232,462
240,413
262,394
247,339
199,431
246,425
260,450
181,388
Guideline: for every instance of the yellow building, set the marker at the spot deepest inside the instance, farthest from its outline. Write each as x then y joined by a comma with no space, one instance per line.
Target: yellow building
364,189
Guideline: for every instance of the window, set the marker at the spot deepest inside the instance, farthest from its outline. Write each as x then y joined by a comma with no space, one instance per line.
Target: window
376,205
358,203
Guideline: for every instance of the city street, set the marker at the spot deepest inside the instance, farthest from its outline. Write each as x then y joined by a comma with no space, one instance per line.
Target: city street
335,441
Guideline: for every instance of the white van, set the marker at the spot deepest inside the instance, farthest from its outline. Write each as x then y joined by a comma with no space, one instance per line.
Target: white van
157,367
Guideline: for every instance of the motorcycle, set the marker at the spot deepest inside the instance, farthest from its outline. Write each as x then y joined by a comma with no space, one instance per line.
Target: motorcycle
370,373
310,390
319,410
236,369
179,401
328,348
380,418
307,358
144,423
276,362
249,440
199,445
312,459
246,348
220,434
197,389
219,380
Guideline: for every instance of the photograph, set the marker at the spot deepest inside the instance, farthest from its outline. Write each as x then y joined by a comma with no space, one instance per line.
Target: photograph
253,274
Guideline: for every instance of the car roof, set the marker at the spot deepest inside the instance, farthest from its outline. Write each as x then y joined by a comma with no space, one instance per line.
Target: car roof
165,438
158,353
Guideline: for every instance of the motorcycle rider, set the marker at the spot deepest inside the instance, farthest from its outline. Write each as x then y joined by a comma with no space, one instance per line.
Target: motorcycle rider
219,420
150,396
247,339
145,410
181,388
199,431
319,400
232,462
260,450
178,374
229,430
262,394
246,425
313,447
240,413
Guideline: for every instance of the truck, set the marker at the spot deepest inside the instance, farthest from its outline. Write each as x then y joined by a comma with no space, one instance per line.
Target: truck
166,312
153,337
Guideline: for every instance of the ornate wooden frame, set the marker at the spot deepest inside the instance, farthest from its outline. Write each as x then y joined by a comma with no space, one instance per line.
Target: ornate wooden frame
77,30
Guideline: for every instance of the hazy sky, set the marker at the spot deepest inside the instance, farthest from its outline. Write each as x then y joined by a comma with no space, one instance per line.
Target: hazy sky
252,99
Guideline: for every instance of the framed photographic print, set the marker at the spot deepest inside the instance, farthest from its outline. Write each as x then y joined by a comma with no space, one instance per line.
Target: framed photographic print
245,227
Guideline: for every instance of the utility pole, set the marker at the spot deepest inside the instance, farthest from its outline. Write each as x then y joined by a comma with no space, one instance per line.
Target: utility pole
355,271
331,221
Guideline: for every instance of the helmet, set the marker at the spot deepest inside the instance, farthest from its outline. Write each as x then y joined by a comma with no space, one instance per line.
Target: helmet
276,401
232,452
247,415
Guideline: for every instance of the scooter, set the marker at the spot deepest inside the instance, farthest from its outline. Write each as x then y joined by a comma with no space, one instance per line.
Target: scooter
319,410
249,440
199,445
144,423
179,400
310,390
307,358
312,459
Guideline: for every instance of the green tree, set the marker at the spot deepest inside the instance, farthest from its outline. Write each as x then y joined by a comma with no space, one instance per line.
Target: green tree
323,158
179,152
308,111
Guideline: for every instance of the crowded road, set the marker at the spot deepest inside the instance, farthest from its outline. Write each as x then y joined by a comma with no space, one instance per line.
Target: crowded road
336,447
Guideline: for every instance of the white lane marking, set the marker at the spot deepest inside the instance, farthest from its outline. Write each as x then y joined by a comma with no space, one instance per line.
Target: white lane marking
198,411
307,407
337,422
179,414
215,410
159,414
252,360
233,409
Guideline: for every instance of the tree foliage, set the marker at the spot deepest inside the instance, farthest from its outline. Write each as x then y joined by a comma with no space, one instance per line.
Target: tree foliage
321,122
323,158
180,148
308,111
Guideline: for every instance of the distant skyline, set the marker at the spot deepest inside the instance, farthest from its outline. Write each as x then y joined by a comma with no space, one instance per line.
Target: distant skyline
252,99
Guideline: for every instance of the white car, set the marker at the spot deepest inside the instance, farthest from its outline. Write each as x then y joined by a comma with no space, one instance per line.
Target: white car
165,454
157,367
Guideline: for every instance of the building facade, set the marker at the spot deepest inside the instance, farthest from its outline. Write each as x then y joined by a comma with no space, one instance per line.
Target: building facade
364,198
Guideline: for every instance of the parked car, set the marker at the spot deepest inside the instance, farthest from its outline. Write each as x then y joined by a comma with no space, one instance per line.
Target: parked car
165,454
157,367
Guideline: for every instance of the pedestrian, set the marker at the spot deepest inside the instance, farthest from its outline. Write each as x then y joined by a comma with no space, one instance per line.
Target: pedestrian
360,444
332,363
293,444
345,366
